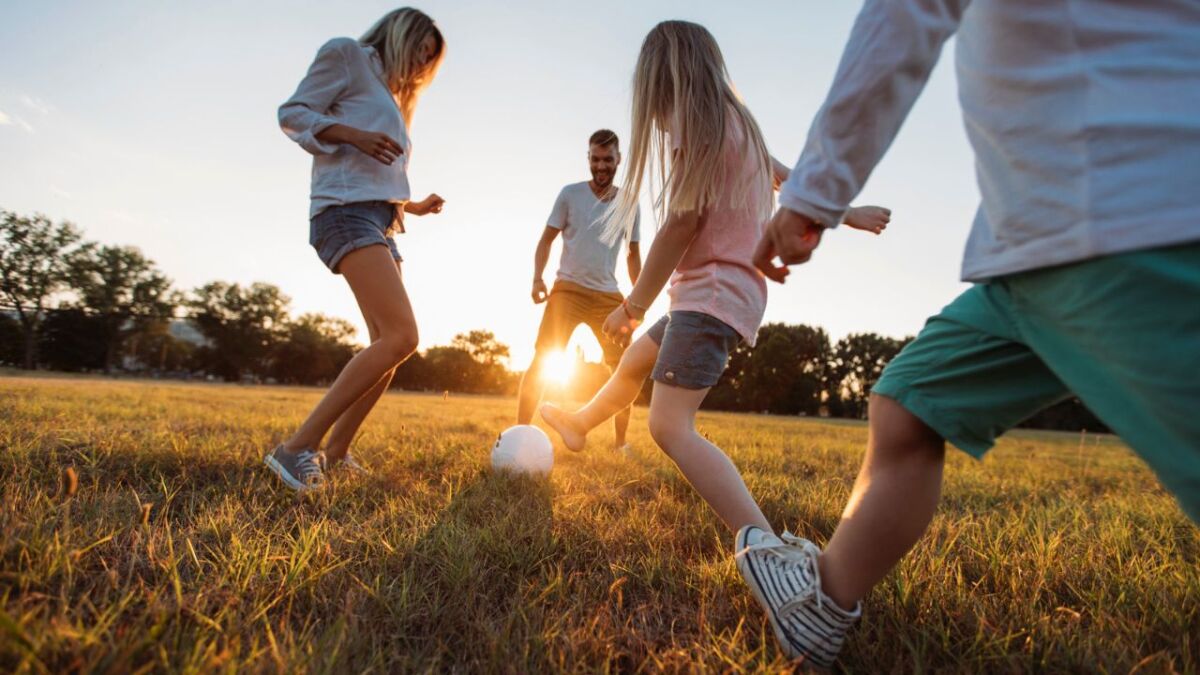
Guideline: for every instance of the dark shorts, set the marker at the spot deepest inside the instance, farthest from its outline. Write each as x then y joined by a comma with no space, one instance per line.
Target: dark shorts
570,305
338,230
693,349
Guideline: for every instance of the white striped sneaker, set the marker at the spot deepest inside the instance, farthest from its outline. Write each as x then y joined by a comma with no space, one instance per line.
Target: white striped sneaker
783,575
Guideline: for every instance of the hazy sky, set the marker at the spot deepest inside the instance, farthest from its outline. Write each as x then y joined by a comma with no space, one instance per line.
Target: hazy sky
153,124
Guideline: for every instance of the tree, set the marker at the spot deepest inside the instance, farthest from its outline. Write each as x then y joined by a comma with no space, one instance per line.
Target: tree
72,340
483,346
783,374
11,349
123,289
858,361
241,325
34,254
315,349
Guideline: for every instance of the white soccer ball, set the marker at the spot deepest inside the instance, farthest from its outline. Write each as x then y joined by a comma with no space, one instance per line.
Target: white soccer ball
523,449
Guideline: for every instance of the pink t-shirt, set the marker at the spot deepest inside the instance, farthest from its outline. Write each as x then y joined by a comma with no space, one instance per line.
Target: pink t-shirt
717,275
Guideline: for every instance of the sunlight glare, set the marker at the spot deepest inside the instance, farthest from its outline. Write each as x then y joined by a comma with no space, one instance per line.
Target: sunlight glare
558,368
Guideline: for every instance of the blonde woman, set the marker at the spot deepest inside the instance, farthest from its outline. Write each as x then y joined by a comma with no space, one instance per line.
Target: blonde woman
351,112
717,192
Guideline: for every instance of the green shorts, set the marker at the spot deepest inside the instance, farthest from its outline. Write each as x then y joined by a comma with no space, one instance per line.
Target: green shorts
1122,333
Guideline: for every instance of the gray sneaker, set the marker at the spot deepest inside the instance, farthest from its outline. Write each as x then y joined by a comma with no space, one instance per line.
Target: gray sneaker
784,577
347,462
299,470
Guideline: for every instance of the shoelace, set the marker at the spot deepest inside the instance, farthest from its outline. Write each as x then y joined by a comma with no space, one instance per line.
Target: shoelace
308,466
794,552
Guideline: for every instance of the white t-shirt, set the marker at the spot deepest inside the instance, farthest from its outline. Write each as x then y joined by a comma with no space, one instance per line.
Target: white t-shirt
586,260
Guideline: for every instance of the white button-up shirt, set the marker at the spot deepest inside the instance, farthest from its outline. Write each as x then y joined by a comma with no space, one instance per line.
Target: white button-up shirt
1084,116
345,85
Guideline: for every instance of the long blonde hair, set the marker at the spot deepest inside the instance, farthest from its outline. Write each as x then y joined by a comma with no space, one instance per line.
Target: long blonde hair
397,38
681,81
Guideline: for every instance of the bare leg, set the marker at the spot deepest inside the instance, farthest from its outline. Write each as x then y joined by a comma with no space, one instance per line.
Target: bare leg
617,394
531,389
376,283
706,467
338,445
894,499
621,426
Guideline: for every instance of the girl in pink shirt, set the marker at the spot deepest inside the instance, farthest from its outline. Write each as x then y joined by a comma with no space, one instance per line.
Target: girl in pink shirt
717,194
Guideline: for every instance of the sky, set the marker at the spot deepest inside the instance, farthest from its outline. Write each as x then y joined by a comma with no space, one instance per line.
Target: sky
154,125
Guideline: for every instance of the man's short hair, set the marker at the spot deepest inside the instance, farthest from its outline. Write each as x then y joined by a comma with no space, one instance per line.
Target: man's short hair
604,138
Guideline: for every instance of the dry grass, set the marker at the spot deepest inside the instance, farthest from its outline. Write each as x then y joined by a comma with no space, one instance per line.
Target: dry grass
141,533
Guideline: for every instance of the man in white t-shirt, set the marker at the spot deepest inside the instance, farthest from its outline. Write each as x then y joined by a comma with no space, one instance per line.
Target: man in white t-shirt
585,287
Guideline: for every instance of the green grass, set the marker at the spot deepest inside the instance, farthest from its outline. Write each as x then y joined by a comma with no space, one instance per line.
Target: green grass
178,551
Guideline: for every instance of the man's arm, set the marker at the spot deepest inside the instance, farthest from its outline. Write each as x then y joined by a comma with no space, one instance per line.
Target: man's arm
634,261
891,51
540,257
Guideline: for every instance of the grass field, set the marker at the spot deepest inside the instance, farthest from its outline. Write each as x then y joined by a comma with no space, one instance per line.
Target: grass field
176,550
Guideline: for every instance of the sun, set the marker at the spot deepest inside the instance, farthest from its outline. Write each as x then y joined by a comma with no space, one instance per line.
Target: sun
557,368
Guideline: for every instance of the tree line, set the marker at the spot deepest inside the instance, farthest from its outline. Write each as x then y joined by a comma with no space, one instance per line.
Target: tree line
76,305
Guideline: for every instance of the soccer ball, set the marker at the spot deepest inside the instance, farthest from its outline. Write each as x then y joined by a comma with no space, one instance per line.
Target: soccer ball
523,449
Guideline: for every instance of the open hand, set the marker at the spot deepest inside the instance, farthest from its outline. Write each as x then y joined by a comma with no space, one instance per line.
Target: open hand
792,238
872,219
383,148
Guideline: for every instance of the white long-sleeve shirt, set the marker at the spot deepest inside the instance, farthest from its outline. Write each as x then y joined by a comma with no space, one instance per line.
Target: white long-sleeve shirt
1084,116
345,85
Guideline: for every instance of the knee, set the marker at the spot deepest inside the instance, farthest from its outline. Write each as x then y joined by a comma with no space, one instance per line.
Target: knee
667,430
900,437
399,345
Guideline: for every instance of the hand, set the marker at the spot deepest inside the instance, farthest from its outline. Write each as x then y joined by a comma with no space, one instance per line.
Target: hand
619,325
872,219
539,292
431,204
383,148
792,238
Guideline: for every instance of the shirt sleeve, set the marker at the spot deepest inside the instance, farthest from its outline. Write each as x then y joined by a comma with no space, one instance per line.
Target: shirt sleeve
558,215
303,116
892,49
635,235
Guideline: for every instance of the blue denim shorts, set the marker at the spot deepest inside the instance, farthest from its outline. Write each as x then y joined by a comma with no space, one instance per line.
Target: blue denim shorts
339,230
693,349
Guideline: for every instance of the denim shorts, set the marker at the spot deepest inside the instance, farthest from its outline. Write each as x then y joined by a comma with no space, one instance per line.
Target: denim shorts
693,349
339,230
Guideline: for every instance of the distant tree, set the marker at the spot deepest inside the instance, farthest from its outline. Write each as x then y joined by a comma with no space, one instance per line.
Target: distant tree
313,350
483,346
122,288
72,340
242,325
414,375
34,255
154,347
857,362
783,374
12,344
453,369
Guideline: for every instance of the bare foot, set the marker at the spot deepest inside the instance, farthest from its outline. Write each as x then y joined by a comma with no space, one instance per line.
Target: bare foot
573,436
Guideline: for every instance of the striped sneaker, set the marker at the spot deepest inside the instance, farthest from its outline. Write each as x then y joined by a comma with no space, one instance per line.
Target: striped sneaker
783,575
300,470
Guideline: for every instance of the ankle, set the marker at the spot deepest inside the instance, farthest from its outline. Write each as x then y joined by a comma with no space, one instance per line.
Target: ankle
832,589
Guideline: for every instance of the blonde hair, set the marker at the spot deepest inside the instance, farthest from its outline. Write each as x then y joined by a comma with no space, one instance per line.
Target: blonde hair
681,84
397,38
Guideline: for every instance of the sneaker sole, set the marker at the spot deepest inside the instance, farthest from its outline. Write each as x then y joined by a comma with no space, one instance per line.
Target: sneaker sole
285,476
752,581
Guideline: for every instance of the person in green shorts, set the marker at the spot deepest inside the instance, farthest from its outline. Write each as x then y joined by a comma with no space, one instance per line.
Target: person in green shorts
1084,254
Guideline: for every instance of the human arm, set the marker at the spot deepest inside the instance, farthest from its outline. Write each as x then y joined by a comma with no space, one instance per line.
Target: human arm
665,253
541,256
431,204
633,260
890,53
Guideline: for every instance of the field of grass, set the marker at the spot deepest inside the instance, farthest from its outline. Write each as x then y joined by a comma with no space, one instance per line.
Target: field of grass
169,547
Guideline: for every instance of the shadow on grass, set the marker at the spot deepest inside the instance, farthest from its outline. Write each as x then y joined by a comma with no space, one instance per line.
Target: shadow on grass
465,594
